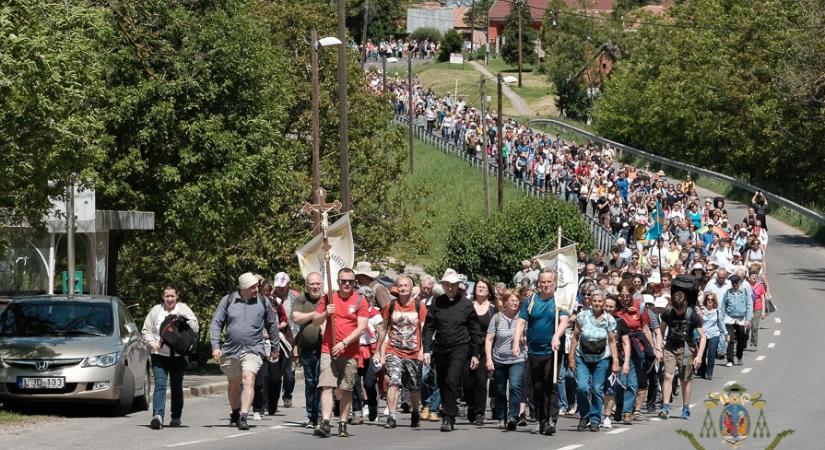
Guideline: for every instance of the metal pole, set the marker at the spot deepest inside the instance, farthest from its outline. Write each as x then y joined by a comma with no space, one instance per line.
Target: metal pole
499,142
484,163
316,127
364,33
410,112
472,27
342,103
520,5
70,224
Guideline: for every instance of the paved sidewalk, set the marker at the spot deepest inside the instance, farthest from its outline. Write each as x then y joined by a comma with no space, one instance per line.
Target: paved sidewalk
206,385
518,103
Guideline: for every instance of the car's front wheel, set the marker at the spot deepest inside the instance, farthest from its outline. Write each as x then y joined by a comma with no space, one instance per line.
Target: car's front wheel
143,402
127,394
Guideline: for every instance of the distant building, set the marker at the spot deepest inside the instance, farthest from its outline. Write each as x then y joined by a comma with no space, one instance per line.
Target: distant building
430,15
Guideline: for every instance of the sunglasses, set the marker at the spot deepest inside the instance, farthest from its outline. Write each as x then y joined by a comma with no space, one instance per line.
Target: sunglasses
346,281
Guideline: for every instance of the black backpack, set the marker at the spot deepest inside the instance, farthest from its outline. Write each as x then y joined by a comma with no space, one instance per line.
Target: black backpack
176,334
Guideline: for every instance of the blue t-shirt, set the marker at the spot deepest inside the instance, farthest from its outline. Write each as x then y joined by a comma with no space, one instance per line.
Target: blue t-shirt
541,324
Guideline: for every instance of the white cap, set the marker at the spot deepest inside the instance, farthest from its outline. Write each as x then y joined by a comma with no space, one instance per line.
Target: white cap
660,302
281,279
648,299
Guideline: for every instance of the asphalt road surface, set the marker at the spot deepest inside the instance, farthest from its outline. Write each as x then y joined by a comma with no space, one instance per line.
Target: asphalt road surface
787,369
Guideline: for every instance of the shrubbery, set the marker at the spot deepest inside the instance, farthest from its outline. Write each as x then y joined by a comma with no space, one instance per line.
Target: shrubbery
494,247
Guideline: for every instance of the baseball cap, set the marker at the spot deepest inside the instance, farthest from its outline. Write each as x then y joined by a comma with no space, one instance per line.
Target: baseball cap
660,302
281,279
648,299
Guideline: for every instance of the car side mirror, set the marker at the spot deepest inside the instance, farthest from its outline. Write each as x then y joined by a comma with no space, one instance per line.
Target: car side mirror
131,330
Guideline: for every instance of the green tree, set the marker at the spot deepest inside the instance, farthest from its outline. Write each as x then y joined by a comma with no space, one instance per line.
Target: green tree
713,86
450,43
494,247
51,89
385,18
425,33
509,51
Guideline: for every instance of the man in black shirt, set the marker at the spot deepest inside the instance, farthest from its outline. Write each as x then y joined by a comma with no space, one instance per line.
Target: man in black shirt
453,319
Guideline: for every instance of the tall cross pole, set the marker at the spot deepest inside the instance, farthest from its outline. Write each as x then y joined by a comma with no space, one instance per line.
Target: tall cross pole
323,208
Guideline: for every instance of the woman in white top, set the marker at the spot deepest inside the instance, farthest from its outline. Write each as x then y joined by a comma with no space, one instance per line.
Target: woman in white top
166,368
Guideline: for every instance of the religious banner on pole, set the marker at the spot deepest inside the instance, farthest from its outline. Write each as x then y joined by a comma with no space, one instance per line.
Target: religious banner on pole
341,253
563,261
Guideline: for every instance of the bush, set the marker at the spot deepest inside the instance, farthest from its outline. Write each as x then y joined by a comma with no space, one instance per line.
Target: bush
494,247
430,34
450,43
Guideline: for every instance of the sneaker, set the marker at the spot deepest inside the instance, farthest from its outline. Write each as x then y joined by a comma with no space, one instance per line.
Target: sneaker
594,427
512,425
522,420
738,361
651,408
500,425
686,412
288,403
637,416
242,423
729,364
356,420
233,418
342,430
174,423
572,411
415,420
391,423
550,429
425,413
157,422
583,423
308,424
664,413
434,417
447,424
256,416
539,429
627,418
563,412
322,430
479,420
607,424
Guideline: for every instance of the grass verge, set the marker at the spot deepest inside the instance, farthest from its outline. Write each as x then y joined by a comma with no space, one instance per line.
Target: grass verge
455,189
9,418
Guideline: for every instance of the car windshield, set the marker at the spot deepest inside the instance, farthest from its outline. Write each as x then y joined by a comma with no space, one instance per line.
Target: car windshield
56,318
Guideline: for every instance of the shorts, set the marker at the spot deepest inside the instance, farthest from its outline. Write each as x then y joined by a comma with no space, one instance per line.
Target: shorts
404,372
675,358
234,366
337,373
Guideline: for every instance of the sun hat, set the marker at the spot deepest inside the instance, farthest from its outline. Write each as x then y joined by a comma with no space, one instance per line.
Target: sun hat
365,268
247,280
450,276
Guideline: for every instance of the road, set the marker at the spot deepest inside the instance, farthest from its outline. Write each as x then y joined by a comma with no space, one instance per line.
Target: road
786,369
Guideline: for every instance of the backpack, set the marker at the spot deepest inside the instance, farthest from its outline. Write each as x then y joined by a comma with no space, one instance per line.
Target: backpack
682,335
176,334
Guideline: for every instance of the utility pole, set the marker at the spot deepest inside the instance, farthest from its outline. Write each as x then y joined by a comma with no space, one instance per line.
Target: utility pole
342,104
520,10
484,163
70,252
316,126
487,41
410,113
364,33
472,27
384,71
499,146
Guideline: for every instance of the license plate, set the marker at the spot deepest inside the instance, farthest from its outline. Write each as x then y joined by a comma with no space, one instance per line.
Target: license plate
41,382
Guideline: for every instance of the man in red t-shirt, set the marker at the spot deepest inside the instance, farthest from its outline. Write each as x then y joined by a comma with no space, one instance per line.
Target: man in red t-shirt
402,349
338,366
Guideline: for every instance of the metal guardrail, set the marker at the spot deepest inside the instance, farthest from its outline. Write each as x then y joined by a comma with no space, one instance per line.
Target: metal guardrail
775,199
605,240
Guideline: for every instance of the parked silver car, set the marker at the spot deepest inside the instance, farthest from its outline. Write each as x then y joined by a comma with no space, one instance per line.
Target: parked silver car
86,349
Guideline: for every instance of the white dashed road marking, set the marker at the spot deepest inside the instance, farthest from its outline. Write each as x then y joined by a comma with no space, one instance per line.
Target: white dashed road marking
617,431
655,419
777,332
571,447
777,319
760,357
180,444
746,370
772,345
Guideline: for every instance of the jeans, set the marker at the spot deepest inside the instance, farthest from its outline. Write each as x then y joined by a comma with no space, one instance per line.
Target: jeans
631,385
739,338
590,377
709,360
514,373
310,361
566,386
430,394
449,366
168,371
545,395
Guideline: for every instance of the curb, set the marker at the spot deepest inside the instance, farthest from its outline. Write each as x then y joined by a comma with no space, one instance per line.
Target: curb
216,388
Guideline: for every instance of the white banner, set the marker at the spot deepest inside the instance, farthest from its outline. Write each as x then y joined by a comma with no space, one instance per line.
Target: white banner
563,261
341,253
456,58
